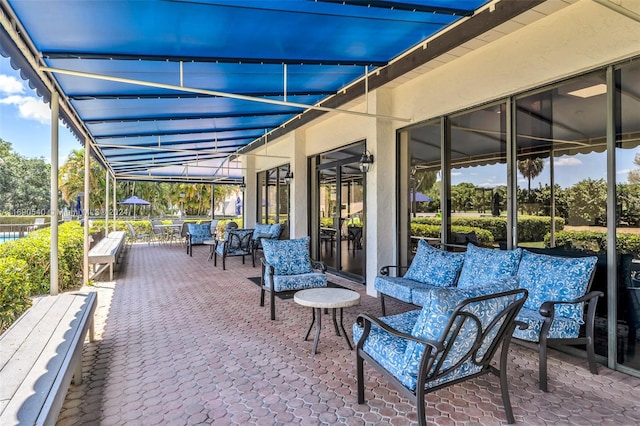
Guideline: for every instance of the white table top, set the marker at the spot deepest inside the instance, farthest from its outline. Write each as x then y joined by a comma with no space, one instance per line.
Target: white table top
327,297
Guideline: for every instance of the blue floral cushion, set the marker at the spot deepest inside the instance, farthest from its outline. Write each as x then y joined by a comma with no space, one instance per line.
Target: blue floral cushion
260,230
561,327
274,230
483,265
398,287
296,282
432,322
425,296
199,232
387,349
552,278
434,267
288,257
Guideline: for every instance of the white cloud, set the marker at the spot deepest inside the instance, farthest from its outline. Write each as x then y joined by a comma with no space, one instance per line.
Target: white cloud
29,108
456,173
567,161
10,85
623,171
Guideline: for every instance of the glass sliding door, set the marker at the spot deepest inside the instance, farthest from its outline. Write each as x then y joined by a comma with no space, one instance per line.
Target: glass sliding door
627,124
561,151
340,211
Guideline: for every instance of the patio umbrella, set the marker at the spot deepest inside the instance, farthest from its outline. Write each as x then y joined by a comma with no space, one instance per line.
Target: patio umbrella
134,201
419,197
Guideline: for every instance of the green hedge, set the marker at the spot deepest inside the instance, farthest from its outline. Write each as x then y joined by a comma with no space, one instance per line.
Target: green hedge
593,241
14,291
35,249
433,231
530,228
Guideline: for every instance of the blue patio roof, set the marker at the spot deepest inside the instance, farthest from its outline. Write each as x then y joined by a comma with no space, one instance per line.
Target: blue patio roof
128,69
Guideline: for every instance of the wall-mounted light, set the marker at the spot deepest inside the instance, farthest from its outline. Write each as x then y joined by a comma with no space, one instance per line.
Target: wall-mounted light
366,161
288,177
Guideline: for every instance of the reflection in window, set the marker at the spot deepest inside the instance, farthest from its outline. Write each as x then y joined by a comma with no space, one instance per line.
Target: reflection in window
627,101
562,170
273,196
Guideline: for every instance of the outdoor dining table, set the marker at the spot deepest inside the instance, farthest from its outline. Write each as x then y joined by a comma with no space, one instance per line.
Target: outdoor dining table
169,229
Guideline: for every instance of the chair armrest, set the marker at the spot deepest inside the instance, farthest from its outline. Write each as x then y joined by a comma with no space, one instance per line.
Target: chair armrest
365,320
316,264
385,270
270,270
547,308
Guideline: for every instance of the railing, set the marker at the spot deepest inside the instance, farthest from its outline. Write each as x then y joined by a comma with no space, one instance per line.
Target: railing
14,231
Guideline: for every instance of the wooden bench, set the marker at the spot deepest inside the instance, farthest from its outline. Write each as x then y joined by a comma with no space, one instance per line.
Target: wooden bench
39,355
106,252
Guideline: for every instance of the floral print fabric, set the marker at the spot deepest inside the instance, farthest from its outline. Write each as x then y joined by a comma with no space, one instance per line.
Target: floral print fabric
434,267
483,265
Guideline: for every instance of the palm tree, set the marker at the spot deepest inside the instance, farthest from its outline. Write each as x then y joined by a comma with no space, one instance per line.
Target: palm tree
530,168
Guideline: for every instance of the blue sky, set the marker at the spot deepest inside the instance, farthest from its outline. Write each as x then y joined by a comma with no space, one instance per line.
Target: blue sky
25,121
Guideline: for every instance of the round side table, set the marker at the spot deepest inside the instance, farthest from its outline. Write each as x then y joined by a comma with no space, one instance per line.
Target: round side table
326,298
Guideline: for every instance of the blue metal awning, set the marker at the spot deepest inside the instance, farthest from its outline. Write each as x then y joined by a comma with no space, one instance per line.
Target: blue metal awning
170,89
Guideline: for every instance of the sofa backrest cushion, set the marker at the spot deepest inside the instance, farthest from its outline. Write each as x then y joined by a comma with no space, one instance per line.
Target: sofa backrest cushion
484,265
553,278
434,267
288,257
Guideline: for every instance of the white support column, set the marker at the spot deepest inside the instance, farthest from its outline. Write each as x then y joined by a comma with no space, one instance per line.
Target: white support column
250,196
299,215
379,224
106,204
115,203
53,271
85,211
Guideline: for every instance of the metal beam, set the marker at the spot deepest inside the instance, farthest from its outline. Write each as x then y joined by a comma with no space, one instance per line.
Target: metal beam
216,93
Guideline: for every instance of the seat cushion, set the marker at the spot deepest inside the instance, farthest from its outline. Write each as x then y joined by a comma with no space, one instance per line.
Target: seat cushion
434,267
296,282
387,349
552,278
288,257
561,327
483,265
199,232
398,287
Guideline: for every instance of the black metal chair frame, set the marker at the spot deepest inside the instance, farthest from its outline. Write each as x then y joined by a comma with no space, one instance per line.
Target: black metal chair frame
233,239
547,310
431,363
315,265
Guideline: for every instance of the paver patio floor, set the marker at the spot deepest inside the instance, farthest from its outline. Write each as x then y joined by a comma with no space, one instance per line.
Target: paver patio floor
179,341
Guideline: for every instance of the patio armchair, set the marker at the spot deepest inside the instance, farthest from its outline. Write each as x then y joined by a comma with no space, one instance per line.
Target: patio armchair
237,242
264,231
287,267
197,234
448,341
555,310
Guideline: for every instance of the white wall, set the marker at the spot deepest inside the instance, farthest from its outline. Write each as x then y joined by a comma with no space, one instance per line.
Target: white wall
578,38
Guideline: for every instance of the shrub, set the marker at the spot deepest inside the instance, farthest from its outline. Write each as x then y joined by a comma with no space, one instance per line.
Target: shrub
35,250
421,230
14,291
593,241
530,228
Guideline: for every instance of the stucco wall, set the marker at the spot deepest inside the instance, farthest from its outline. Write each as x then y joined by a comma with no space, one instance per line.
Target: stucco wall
578,38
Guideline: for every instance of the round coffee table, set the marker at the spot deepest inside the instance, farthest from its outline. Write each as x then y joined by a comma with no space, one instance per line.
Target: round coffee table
326,298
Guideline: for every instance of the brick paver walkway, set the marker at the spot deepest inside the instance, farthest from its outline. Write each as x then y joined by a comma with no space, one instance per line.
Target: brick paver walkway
182,342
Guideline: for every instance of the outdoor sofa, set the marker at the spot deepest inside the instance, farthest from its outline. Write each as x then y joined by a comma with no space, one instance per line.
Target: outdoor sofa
558,290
